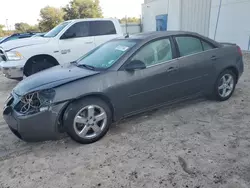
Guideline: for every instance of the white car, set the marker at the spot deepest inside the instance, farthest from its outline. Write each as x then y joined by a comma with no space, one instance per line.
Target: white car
65,43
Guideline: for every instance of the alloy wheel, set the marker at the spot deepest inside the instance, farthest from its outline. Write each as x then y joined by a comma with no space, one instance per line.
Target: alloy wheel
90,121
226,85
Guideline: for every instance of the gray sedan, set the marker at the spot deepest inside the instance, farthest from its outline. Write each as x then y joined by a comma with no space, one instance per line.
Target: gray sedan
121,78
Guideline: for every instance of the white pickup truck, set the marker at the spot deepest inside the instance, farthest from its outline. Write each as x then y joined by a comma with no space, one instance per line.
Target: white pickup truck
65,43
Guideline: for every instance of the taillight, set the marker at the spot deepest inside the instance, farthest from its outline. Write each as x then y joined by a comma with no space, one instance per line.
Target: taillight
239,50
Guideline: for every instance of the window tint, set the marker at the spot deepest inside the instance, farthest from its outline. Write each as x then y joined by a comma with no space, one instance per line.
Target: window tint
188,45
102,28
154,53
206,46
80,29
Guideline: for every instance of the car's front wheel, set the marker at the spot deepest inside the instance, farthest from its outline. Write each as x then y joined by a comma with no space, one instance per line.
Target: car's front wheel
225,85
87,120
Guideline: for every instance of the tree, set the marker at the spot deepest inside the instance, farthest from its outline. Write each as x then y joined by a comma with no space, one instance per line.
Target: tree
22,27
34,28
50,17
83,9
129,20
1,30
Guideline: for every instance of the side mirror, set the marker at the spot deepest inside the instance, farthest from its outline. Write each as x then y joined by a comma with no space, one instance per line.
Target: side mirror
135,65
68,35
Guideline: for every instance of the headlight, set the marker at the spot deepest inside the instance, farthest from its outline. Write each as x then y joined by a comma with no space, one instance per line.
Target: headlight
14,55
34,102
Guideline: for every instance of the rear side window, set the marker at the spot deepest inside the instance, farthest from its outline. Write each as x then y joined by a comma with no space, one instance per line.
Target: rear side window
98,28
80,29
206,46
188,45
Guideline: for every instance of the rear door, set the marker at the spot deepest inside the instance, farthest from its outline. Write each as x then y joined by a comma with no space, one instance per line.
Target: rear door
103,31
75,47
196,64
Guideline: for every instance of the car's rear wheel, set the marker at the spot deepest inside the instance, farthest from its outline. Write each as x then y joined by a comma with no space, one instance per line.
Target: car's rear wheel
87,120
37,64
225,85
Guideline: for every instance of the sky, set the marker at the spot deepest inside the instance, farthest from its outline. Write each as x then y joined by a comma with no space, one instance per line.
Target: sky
28,10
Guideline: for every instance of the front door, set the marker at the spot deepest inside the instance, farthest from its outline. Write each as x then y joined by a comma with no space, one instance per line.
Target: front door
157,83
77,42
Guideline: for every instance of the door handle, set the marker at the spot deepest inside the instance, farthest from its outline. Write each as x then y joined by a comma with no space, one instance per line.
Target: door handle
90,42
172,69
213,58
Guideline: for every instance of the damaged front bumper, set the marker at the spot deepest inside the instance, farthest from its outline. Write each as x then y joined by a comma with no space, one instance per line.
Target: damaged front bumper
41,126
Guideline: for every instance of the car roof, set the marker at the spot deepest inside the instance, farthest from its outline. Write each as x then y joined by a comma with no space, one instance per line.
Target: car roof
155,34
93,19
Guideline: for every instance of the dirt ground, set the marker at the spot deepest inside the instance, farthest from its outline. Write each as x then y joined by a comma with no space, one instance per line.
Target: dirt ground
196,144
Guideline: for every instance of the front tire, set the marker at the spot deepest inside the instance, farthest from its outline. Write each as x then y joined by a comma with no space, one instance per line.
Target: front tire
87,120
225,85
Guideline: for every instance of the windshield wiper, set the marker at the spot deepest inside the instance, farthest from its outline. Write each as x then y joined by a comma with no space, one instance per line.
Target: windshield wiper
86,66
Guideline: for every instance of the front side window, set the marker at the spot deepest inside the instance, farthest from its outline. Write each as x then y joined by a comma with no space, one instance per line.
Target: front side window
107,54
188,45
155,53
80,29
56,30
98,28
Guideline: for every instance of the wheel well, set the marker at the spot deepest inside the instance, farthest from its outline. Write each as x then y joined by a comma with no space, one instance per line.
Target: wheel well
100,96
104,98
235,71
29,62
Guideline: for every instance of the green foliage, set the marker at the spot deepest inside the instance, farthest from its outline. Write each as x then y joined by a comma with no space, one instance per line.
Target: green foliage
1,30
22,27
1,27
34,28
83,9
50,17
130,20
4,32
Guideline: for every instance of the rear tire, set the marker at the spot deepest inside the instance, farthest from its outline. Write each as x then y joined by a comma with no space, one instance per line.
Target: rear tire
87,120
37,64
225,85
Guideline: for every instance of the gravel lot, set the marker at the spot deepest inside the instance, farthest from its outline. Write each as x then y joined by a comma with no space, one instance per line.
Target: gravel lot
196,144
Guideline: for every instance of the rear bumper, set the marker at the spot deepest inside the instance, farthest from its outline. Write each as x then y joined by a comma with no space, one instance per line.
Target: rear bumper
37,127
240,67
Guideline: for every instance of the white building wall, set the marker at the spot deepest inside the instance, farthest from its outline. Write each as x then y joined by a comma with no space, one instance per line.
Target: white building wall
189,15
174,15
234,22
200,16
195,16
150,10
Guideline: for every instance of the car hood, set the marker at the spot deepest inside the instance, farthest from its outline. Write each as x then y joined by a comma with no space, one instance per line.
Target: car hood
51,78
11,45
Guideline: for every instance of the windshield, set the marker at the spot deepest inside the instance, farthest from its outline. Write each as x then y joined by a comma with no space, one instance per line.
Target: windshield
106,55
54,32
